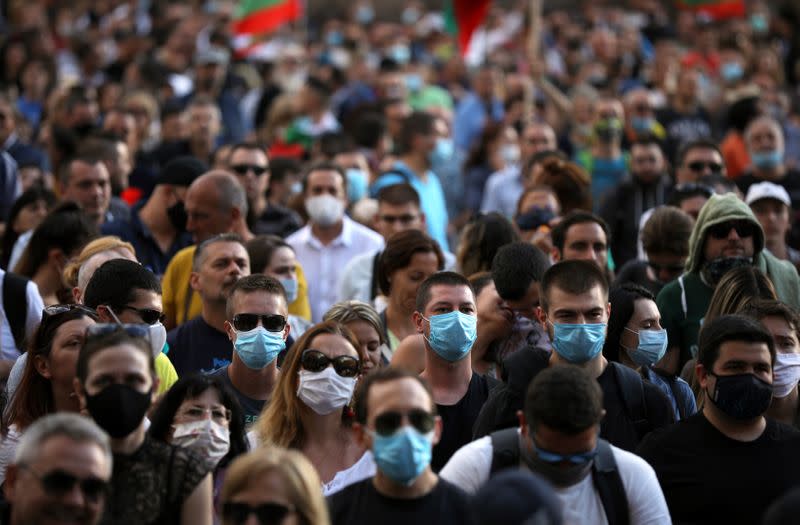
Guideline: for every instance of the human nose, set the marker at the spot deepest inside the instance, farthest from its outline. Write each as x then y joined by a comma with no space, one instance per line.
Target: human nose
733,235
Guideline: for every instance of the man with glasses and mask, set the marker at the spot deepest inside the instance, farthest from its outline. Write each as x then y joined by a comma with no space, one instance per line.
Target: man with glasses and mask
201,344
725,236
257,312
61,471
557,438
727,463
696,159
397,421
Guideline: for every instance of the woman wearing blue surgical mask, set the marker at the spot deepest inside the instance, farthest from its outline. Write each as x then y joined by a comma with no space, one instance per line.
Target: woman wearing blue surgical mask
636,339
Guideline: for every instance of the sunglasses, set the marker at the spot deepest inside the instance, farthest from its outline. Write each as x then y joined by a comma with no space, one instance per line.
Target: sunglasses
58,309
242,169
575,459
402,219
671,268
344,365
743,229
266,513
699,166
148,315
390,422
103,329
59,482
270,322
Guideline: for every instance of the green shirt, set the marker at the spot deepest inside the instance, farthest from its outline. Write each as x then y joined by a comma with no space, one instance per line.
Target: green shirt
682,312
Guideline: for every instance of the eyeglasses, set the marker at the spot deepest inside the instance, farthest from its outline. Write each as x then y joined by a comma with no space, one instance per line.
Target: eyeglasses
148,315
60,482
242,169
743,229
104,329
699,166
266,513
315,361
270,322
671,268
388,423
575,459
402,219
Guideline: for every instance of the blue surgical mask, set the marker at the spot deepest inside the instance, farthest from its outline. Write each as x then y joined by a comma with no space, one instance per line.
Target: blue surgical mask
290,285
642,124
400,53
258,347
443,151
731,71
578,343
404,455
413,82
452,334
767,159
652,346
357,184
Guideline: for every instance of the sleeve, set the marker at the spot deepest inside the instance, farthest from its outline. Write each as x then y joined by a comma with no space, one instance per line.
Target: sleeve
35,307
166,373
659,408
348,288
301,307
169,301
469,468
646,503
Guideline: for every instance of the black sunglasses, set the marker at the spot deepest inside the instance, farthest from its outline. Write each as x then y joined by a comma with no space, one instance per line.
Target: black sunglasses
59,482
270,322
743,229
388,423
699,165
671,268
266,513
148,315
103,329
242,169
344,365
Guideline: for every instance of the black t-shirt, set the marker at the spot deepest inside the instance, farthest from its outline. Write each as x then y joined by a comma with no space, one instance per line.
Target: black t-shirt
250,407
458,419
791,183
362,503
682,128
708,477
196,346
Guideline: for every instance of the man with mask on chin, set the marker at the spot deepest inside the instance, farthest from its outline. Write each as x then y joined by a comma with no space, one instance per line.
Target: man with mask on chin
330,240
157,227
726,235
397,420
557,438
727,463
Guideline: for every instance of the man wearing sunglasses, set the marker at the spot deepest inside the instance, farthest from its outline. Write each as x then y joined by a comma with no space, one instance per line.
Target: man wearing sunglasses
725,236
557,438
249,162
397,421
60,472
696,159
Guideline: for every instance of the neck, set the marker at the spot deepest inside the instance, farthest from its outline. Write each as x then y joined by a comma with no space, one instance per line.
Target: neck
424,484
65,399
255,384
478,351
321,429
399,319
784,409
445,375
326,234
605,150
201,148
258,206
595,367
130,443
214,314
240,228
152,215
418,163
734,429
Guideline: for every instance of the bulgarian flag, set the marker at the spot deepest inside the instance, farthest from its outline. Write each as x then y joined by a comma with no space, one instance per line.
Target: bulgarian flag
716,9
462,18
254,17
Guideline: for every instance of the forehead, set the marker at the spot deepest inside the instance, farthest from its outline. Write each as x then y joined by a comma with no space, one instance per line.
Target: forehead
124,358
324,178
559,298
202,192
81,169
764,127
396,209
250,155
639,150
82,458
146,298
584,230
397,395
743,351
702,153
209,397
458,293
645,308
332,345
258,302
224,249
538,132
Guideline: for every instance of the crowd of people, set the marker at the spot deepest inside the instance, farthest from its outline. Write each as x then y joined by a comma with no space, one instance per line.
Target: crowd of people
352,271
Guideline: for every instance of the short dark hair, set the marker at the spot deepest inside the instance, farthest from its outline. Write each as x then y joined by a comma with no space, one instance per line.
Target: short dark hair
399,250
440,278
94,345
730,328
559,233
399,195
247,146
254,283
667,231
694,144
279,167
515,267
565,398
572,276
261,248
116,282
761,308
417,123
200,251
65,170
623,302
479,281
384,375
324,166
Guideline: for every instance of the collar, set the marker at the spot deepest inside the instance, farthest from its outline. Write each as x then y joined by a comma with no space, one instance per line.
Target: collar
345,238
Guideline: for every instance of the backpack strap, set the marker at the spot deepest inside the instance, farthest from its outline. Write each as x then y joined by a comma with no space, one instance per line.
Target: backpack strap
373,286
631,387
608,484
15,304
505,450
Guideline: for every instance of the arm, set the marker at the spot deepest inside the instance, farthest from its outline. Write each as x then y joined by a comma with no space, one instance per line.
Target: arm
646,502
469,468
198,508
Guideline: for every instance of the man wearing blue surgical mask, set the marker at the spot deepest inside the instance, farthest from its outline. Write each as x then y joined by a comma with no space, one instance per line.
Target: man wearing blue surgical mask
446,316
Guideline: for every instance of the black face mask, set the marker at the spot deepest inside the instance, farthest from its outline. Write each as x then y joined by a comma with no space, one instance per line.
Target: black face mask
118,409
741,396
177,216
714,270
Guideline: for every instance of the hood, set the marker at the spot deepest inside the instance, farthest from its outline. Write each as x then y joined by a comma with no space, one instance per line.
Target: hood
720,208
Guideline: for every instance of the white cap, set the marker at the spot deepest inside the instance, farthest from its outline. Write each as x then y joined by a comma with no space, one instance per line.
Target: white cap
767,190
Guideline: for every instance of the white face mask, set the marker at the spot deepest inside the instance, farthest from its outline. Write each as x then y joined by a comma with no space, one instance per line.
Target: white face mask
158,338
326,391
206,437
785,374
325,210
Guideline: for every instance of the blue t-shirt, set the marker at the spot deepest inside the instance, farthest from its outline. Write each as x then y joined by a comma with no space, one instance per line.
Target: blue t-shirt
196,346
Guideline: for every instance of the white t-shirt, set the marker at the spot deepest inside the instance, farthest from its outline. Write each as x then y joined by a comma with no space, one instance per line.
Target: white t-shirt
470,466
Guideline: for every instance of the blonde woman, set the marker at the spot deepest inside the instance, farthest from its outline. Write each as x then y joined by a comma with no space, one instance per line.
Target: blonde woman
78,272
366,325
309,410
275,484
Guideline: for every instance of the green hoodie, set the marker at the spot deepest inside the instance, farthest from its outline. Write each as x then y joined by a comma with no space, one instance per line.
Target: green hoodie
683,302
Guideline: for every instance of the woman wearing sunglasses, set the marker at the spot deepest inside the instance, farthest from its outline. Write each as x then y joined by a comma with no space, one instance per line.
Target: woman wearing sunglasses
309,408
46,384
152,482
277,486
365,323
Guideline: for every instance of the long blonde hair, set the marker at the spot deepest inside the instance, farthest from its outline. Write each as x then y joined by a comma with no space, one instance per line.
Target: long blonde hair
99,245
280,423
299,478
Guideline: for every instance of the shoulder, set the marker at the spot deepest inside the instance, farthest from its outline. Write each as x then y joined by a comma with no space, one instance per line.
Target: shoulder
630,463
471,465
362,233
181,258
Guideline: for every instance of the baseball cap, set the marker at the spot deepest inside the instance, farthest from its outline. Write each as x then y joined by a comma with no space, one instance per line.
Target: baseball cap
181,171
767,190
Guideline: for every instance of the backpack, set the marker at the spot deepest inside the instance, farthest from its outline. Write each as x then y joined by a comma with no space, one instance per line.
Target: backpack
605,475
15,295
